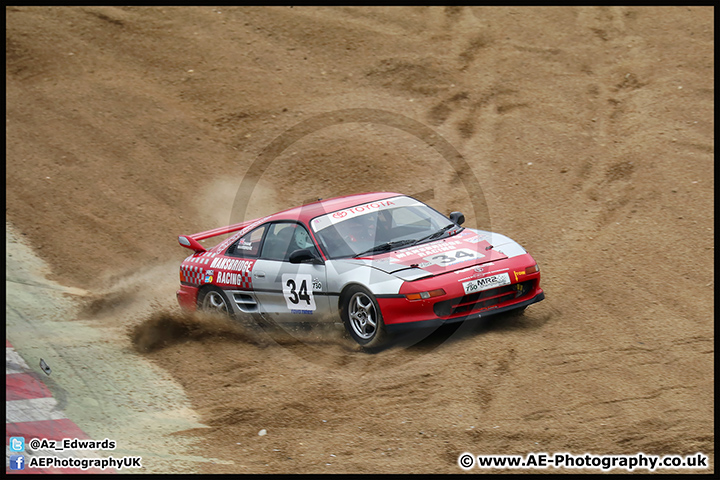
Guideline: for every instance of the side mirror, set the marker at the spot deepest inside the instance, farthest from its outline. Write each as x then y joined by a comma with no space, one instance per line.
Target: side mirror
305,255
457,218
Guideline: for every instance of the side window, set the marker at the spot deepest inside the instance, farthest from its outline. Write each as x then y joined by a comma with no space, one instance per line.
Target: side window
302,238
283,239
249,244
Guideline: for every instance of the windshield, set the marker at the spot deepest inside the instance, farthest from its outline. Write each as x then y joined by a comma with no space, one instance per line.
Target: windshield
362,228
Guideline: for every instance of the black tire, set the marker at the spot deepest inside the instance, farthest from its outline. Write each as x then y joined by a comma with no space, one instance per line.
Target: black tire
212,299
362,318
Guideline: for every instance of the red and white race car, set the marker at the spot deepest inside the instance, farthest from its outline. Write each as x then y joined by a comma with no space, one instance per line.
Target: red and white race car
379,261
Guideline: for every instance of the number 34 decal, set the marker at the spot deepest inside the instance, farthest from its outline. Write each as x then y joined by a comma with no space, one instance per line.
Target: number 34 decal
454,256
297,290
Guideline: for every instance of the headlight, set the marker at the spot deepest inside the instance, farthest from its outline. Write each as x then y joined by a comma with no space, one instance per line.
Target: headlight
425,295
533,269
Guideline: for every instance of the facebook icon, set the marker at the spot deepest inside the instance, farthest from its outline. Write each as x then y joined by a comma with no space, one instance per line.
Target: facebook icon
17,462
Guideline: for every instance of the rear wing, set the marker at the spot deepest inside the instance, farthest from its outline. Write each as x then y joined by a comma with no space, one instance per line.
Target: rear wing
193,241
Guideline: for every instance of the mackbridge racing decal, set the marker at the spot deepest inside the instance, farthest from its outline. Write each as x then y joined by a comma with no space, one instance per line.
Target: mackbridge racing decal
429,252
208,268
233,271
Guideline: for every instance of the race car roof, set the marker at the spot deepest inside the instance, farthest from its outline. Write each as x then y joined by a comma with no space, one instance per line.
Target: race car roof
304,213
307,212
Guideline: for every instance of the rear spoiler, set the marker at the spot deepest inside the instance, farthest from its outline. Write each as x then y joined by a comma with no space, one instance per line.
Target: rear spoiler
193,241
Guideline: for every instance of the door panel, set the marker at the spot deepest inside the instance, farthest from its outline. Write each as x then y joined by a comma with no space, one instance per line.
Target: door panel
291,292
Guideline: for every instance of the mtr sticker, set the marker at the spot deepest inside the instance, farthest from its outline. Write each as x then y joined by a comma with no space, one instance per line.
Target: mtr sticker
486,283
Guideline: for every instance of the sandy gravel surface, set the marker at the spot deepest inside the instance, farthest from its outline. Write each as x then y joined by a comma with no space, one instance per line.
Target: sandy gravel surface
590,131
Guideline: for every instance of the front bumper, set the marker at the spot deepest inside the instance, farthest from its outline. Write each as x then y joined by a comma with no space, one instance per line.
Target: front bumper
437,322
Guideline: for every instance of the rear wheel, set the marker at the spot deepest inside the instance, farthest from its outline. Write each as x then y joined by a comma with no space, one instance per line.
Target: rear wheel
362,317
213,300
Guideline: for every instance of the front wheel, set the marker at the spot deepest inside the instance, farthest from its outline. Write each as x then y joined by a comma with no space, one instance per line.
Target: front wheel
362,317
